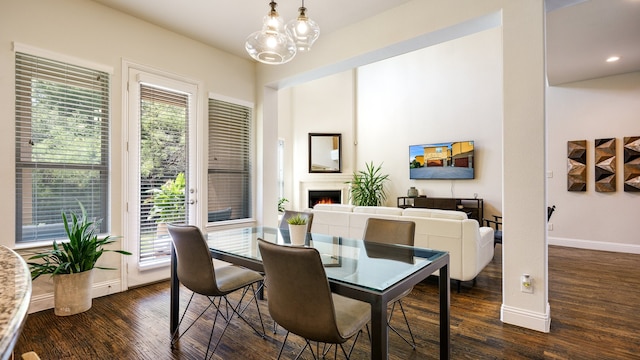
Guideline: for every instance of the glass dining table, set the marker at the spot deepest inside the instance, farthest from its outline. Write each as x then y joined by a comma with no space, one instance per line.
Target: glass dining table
371,272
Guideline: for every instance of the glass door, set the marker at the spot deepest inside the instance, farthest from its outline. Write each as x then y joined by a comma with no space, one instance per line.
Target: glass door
161,186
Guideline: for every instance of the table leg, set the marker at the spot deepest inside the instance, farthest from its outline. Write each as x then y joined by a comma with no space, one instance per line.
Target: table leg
174,293
445,291
379,331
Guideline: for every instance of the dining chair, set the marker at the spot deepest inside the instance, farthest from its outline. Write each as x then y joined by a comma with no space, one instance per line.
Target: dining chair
284,225
197,272
389,231
496,224
300,299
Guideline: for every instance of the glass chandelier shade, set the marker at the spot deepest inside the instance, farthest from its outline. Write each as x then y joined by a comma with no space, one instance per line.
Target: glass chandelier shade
271,44
303,30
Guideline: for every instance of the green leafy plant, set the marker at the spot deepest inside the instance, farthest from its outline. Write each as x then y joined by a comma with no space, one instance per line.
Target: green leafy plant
281,203
79,254
367,187
168,200
297,220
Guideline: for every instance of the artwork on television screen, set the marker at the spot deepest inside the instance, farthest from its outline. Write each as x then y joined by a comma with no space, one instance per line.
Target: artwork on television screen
448,160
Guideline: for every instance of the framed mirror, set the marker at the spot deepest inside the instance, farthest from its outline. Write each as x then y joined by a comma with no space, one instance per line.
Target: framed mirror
325,152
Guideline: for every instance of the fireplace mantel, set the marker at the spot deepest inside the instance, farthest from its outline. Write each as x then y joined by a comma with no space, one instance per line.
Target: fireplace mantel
324,183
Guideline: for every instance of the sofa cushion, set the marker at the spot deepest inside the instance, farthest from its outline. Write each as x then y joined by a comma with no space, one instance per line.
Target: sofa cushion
329,222
382,210
334,207
435,213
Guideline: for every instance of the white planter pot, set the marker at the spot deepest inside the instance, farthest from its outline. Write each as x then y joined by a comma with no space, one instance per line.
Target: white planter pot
298,234
72,293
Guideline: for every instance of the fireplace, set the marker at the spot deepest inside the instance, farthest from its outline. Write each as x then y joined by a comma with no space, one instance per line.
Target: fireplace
324,197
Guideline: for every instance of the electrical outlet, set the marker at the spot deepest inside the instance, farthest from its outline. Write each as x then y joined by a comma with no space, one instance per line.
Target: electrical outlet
526,284
550,226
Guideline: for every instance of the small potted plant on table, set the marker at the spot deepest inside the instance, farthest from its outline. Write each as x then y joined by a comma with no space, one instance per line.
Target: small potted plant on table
297,229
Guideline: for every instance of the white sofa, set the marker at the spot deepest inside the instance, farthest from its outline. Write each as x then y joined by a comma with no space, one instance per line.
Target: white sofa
470,246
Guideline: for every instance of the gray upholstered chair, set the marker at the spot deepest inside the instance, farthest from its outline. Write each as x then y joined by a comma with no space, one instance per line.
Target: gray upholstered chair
196,271
300,299
393,232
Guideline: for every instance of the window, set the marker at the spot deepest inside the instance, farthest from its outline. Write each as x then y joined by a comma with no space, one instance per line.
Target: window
62,145
229,168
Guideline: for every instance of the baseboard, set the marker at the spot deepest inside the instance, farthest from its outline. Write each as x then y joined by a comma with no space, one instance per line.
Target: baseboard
594,245
527,319
45,301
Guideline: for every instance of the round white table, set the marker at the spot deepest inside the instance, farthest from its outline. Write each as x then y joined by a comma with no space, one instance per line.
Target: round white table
15,295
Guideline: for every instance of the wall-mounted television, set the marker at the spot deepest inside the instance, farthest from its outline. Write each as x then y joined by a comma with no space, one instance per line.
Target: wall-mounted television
447,160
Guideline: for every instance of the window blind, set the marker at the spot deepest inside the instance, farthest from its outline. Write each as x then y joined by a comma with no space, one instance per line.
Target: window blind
163,168
62,145
229,167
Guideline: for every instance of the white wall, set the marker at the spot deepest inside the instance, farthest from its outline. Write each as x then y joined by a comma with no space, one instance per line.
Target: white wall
93,33
325,105
431,95
588,110
435,95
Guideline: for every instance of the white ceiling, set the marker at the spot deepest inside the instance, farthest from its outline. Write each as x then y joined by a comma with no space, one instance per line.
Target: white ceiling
581,34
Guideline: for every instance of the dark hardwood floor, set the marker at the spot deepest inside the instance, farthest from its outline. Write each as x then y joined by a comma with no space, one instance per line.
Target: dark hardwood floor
594,298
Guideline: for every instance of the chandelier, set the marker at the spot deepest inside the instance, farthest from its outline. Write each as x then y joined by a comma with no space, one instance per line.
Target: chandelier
278,44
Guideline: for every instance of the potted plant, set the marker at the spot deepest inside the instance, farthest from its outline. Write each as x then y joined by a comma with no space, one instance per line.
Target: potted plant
281,202
297,229
71,263
168,203
367,187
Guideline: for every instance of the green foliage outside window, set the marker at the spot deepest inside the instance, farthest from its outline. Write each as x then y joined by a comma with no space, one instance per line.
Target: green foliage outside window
163,145
62,145
168,201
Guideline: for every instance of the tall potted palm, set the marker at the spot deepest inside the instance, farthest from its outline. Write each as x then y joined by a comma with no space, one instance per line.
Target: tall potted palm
367,186
71,263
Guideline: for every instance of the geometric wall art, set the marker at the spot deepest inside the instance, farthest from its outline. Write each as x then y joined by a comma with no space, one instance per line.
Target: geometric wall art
631,158
605,165
577,165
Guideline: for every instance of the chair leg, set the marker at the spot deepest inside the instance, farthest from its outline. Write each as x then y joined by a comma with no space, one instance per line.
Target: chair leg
325,349
406,321
355,341
206,354
307,345
283,344
237,311
176,334
255,300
